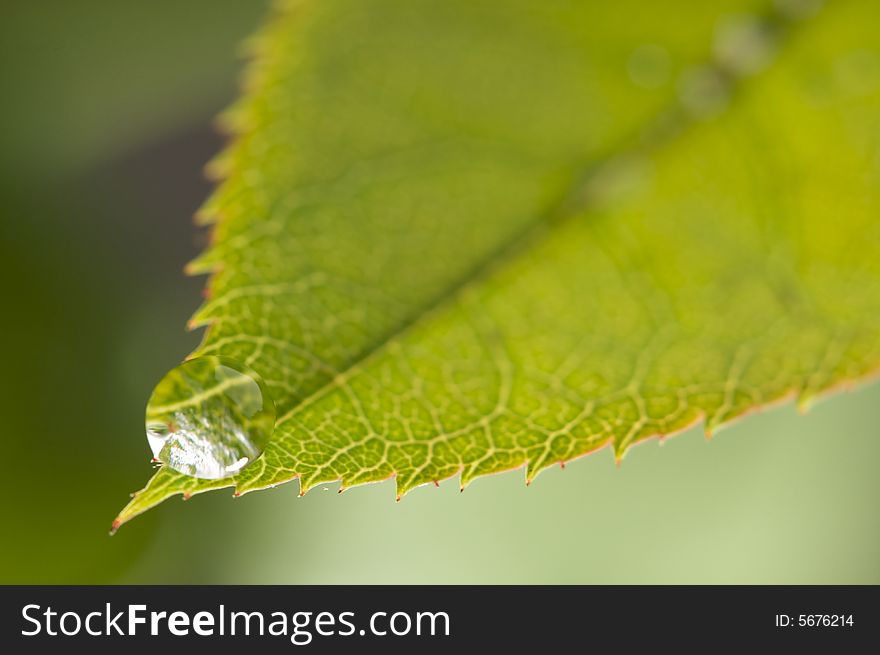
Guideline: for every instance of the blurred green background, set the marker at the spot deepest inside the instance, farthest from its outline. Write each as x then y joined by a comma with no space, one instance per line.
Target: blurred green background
106,124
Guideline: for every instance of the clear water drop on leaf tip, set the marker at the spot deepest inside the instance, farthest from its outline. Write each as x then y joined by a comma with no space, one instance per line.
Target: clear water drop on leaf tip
209,418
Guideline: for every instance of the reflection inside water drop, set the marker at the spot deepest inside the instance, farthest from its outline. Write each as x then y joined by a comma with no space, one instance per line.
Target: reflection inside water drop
209,418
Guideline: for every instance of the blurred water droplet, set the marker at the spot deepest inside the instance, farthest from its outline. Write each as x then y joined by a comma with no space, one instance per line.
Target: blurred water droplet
744,44
703,91
209,418
617,180
798,8
649,66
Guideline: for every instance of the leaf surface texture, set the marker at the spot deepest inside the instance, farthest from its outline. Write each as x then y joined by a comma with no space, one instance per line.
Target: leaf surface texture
457,238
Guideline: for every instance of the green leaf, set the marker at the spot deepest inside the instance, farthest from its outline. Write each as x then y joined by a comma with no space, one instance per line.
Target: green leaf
466,237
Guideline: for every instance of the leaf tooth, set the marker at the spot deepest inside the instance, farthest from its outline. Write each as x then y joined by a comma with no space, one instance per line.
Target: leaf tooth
206,214
211,210
805,403
208,262
217,169
203,316
401,487
405,483
233,121
466,476
537,463
309,482
620,448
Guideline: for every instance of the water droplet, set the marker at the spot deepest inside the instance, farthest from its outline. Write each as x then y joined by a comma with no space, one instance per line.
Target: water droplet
209,418
703,92
797,9
744,45
618,179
